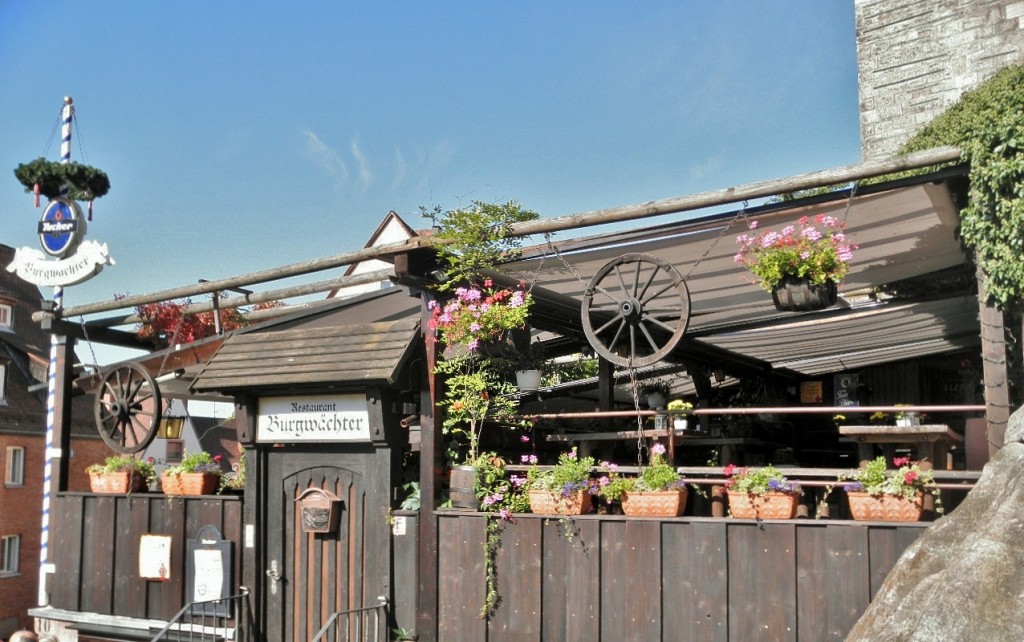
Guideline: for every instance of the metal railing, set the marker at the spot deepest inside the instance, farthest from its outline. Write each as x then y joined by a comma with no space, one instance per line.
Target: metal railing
229,618
353,625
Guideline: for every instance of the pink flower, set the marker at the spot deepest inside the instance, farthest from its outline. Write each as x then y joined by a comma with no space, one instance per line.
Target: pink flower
910,477
729,470
658,449
505,514
900,461
524,439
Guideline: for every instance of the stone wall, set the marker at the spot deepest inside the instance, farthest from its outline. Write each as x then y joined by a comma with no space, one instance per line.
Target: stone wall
916,57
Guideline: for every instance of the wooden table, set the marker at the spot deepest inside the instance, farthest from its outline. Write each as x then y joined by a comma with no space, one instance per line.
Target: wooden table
930,442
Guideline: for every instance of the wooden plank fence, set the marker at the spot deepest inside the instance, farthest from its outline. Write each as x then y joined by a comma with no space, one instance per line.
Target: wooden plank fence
96,550
609,578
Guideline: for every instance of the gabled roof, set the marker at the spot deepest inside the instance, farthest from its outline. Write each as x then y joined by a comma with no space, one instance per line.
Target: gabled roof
330,347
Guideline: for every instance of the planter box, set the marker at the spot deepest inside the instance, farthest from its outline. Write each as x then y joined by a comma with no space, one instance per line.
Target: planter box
117,483
462,488
546,502
189,483
663,503
885,508
767,506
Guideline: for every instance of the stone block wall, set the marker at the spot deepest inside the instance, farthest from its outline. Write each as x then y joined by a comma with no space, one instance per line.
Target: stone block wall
916,57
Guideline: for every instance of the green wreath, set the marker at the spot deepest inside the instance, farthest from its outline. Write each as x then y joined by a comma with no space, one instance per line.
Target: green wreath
86,182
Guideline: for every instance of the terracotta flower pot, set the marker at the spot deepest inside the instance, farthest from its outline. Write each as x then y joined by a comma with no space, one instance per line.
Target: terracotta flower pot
885,508
189,483
767,506
117,483
659,503
546,502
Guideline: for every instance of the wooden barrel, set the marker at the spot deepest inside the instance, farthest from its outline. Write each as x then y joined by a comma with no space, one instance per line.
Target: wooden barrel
461,488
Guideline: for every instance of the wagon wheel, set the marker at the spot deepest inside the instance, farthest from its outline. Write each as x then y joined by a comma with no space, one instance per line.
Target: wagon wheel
635,310
127,408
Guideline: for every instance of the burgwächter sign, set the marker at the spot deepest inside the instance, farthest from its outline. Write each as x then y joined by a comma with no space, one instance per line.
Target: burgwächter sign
313,418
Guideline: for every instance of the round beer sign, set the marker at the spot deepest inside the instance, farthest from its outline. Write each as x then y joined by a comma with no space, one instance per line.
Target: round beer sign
61,227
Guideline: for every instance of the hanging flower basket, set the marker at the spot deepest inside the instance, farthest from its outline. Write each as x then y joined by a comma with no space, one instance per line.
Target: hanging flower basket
547,502
885,508
796,294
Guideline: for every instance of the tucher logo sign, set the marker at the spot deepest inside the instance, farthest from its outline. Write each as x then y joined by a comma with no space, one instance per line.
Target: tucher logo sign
61,228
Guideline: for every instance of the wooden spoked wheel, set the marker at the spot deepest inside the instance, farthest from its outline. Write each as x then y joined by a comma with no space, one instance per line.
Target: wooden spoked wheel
127,408
635,310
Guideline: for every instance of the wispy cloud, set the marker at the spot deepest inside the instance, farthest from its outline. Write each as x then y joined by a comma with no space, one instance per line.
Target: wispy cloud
401,168
365,173
325,157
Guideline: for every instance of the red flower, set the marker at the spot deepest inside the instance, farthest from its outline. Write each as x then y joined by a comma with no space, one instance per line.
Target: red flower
729,470
217,458
900,461
910,477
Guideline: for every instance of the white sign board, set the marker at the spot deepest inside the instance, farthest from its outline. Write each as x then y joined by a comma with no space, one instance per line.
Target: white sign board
313,419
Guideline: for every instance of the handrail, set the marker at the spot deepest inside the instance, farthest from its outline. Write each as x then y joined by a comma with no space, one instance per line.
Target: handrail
340,625
183,627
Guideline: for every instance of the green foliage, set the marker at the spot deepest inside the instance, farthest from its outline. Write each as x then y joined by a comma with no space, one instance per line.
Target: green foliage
658,474
573,370
85,182
570,474
758,481
475,393
814,248
987,123
412,498
907,481
200,462
476,238
125,464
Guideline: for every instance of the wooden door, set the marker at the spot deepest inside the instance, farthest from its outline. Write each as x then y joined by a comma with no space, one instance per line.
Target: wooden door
310,576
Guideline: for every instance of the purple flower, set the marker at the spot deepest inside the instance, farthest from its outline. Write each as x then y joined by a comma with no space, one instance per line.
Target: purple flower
505,514
854,487
658,449
525,439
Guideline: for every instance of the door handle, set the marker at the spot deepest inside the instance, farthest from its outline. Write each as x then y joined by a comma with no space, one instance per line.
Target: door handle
274,576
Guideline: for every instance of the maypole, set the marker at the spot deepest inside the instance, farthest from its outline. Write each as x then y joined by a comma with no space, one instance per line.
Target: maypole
53,454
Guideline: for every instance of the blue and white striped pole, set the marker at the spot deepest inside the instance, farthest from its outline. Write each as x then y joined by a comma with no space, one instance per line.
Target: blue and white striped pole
45,567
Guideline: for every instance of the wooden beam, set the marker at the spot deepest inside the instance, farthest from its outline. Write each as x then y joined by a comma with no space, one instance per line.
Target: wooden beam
844,174
993,360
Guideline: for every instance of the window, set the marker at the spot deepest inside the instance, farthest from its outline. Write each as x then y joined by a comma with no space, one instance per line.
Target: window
6,315
15,466
3,384
9,548
175,451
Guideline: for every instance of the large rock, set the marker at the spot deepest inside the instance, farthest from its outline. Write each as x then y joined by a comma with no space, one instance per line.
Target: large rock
963,579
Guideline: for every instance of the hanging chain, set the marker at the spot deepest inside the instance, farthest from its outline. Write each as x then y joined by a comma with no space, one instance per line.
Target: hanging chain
740,214
88,342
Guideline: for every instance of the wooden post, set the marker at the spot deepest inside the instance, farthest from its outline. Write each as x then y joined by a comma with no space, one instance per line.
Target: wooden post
993,359
430,449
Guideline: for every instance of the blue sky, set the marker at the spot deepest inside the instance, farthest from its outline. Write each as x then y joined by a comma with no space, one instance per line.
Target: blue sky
239,136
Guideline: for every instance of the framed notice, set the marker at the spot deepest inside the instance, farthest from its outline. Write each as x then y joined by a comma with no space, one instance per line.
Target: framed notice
810,392
155,557
208,573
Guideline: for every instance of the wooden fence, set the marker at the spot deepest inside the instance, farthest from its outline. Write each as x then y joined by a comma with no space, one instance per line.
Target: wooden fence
608,578
96,550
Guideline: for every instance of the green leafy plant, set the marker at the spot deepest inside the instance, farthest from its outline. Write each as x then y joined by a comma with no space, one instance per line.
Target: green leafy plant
200,462
412,497
501,495
907,480
476,238
475,394
477,314
758,481
679,405
570,474
658,474
987,124
656,387
815,249
235,478
125,464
